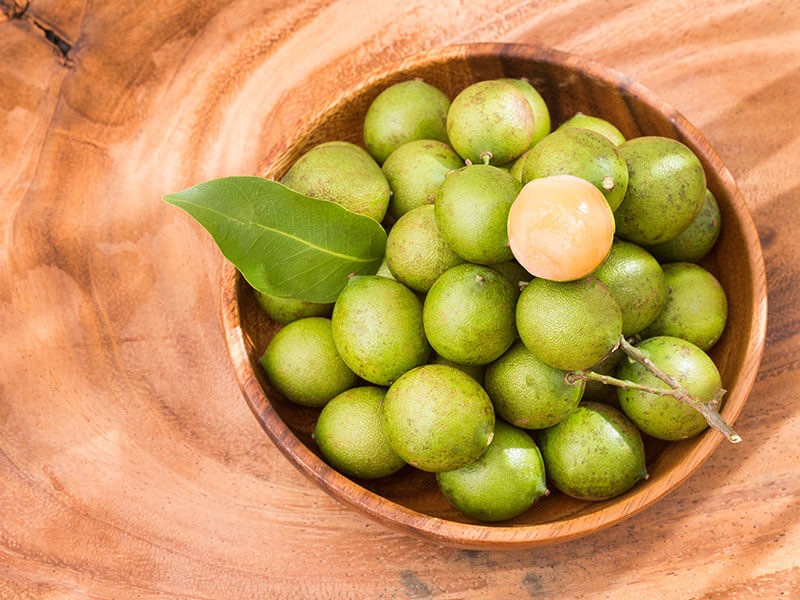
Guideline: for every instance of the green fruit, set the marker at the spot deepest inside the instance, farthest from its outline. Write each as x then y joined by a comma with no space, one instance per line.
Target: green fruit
581,153
666,190
402,113
491,116
286,310
601,126
541,116
415,171
377,329
302,363
416,253
350,435
694,242
528,393
474,371
515,273
472,213
569,325
469,315
593,454
637,282
664,417
437,418
343,173
383,271
516,167
696,309
595,391
503,483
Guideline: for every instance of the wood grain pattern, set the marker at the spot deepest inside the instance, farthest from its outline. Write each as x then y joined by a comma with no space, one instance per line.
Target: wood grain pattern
130,465
409,501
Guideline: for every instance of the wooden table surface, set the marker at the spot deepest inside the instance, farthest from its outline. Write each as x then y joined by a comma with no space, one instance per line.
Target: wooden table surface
130,465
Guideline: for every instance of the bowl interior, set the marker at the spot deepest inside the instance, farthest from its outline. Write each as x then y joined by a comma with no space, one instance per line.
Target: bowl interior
569,84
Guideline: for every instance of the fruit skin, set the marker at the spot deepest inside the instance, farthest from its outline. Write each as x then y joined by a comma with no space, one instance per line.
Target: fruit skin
286,310
383,271
503,483
528,393
469,315
581,153
415,171
697,240
416,253
696,309
595,124
377,329
349,433
474,371
666,190
541,114
661,416
569,325
637,282
341,172
594,454
437,418
472,208
515,170
515,273
490,116
404,112
594,391
302,363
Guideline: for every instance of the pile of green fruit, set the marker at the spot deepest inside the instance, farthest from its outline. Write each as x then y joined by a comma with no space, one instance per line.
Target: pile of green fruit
527,276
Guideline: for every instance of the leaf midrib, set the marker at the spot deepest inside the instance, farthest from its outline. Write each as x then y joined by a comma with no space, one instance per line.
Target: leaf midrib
278,231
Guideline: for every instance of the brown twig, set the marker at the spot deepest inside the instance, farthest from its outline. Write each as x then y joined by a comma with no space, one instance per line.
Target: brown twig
707,409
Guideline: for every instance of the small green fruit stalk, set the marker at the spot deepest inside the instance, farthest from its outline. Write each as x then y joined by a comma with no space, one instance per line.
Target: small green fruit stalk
709,410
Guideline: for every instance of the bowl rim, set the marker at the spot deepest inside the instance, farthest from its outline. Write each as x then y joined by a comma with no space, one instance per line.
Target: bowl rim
476,536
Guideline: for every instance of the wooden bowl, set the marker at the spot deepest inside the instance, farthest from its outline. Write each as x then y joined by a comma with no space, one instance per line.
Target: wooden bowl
409,501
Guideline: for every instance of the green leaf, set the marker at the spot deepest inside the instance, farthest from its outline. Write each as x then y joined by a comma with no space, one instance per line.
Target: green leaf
282,242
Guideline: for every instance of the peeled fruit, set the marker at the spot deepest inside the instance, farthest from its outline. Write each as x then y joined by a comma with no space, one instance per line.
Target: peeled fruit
569,325
582,153
472,212
404,112
528,393
437,418
416,253
503,483
415,171
469,315
377,329
491,116
694,242
560,227
302,363
341,172
350,435
594,454
664,417
637,282
696,309
666,190
595,124
286,310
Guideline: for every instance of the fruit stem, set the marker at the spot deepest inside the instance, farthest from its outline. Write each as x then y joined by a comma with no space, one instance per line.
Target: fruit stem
486,157
707,409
